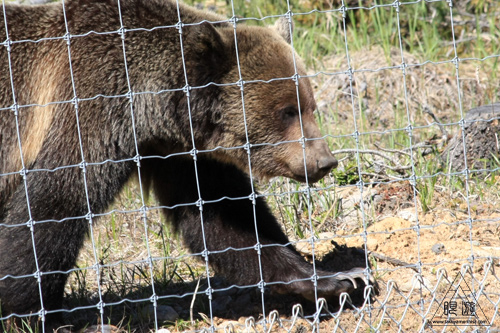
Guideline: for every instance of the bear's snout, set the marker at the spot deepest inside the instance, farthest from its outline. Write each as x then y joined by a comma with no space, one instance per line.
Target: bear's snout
320,166
319,162
326,163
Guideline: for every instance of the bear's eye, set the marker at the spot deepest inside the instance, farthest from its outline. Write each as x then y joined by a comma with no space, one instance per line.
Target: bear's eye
289,113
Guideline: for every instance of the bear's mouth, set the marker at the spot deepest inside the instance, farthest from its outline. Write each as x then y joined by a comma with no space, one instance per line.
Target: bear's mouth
312,177
316,171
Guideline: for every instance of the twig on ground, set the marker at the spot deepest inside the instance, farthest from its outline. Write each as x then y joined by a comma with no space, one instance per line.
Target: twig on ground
438,122
192,301
388,150
392,261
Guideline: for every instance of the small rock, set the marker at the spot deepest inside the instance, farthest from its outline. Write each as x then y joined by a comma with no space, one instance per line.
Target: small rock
163,313
377,199
408,215
438,248
101,329
416,283
326,236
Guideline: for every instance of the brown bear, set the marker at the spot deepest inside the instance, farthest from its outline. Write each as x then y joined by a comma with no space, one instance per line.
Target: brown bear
95,91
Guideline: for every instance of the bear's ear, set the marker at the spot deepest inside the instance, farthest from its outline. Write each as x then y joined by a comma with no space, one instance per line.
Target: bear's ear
211,55
282,26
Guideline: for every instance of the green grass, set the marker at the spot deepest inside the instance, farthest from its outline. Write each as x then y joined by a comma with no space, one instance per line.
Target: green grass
425,27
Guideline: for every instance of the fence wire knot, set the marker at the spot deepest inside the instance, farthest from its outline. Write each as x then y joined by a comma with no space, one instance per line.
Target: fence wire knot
100,305
179,26
233,20
137,159
23,172
42,314
83,165
199,204
74,101
240,83
247,147
187,90
89,217
67,37
343,10
253,198
30,223
7,44
38,276
409,129
205,254
314,279
144,209
302,142
122,32
257,247
462,122
15,108
403,67
154,300
350,73
261,285
130,95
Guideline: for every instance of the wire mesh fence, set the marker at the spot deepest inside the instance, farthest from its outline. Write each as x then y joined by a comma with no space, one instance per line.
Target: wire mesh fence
105,102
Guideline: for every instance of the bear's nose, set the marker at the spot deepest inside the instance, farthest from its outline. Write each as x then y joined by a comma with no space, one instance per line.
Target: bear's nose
326,163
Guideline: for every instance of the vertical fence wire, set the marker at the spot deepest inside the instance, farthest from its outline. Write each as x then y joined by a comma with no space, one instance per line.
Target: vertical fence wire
137,159
356,134
23,172
409,130
247,147
194,154
303,140
83,165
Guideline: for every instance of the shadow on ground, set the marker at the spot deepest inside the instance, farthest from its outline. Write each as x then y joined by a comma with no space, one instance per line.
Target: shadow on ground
177,304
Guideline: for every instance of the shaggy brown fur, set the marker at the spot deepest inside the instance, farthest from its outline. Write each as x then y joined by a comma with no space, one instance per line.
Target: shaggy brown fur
48,97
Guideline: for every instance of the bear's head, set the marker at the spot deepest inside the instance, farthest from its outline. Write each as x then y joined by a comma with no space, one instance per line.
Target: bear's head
269,112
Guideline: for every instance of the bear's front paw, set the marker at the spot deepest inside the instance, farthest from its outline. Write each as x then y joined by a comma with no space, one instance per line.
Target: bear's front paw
353,282
347,280
331,285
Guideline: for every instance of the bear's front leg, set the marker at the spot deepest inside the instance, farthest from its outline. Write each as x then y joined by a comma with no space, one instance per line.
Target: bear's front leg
244,241
231,241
